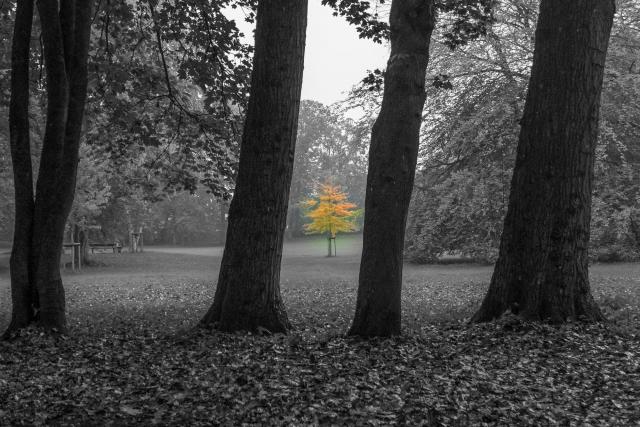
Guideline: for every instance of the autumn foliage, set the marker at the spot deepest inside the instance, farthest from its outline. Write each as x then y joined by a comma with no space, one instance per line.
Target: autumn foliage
330,213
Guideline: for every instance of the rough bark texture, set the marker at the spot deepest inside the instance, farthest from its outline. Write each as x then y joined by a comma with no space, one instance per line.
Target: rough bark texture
248,292
66,42
392,163
542,268
65,37
23,292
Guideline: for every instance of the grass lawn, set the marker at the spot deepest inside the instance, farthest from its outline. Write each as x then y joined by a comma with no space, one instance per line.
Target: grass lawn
132,356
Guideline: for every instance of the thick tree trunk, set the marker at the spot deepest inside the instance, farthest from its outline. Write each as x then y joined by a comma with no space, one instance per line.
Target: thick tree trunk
248,292
392,163
542,269
23,292
48,231
65,35
66,42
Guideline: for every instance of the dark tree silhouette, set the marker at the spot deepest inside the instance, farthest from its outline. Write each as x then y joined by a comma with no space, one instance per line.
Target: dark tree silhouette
23,292
248,292
542,268
392,163
37,290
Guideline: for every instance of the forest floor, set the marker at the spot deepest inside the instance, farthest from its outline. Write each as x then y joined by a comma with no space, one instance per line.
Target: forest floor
133,357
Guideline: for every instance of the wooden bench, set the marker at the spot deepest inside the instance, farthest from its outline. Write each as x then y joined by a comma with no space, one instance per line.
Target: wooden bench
116,248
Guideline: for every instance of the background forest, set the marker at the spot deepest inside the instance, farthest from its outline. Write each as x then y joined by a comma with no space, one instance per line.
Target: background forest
160,150
470,134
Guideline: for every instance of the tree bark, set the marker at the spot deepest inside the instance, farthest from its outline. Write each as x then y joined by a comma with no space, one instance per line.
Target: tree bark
248,292
65,35
542,268
65,31
80,235
392,162
23,292
83,239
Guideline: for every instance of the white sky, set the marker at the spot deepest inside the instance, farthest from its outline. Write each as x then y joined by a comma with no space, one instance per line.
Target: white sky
335,58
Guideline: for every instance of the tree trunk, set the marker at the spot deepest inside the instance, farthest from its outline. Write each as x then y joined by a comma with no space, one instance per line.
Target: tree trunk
392,162
83,239
80,235
23,292
248,292
222,221
294,215
542,268
65,36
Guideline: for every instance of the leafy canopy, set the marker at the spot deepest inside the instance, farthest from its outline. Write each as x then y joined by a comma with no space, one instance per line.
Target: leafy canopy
330,212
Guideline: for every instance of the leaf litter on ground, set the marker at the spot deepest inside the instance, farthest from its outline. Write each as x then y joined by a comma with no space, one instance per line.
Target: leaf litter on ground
134,358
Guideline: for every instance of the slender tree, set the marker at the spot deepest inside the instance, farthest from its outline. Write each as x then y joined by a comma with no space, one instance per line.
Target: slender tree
392,162
23,293
37,290
542,268
330,213
248,291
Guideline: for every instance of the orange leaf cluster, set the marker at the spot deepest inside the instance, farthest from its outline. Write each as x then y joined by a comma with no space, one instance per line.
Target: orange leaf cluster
330,212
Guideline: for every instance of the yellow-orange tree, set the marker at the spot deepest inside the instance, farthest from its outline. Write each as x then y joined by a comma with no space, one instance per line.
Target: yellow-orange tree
330,213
